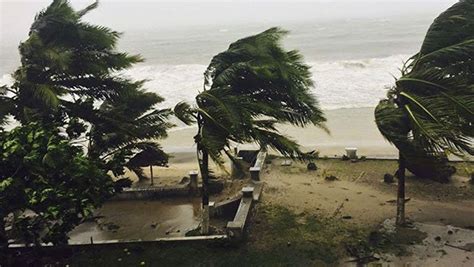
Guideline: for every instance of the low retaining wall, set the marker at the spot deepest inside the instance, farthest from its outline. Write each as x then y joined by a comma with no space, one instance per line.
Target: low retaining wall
165,240
153,193
236,227
182,190
258,166
225,208
250,195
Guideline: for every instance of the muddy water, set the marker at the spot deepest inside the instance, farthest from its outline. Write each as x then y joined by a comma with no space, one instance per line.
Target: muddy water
146,220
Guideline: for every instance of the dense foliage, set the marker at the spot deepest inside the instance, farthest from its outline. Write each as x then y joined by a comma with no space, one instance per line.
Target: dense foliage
430,111
432,105
69,67
48,183
81,117
248,89
121,136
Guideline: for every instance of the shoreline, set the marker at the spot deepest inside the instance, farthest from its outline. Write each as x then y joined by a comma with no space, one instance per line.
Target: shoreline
349,127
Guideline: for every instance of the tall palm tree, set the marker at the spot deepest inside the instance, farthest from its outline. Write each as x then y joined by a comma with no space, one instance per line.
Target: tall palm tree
65,60
430,111
68,68
249,88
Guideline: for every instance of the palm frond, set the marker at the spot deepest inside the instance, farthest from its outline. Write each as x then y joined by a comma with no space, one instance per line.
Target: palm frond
185,113
433,99
251,86
87,9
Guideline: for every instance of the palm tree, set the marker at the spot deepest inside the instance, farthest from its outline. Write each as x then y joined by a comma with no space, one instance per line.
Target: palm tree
66,60
249,88
430,111
123,130
68,68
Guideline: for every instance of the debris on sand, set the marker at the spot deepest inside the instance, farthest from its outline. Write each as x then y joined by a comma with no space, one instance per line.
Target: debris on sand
331,178
388,178
312,166
443,245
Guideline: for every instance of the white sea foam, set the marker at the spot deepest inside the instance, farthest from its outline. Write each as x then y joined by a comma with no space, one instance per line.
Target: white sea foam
338,84
6,79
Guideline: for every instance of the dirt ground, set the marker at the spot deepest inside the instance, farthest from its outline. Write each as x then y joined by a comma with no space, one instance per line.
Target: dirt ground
359,195
360,192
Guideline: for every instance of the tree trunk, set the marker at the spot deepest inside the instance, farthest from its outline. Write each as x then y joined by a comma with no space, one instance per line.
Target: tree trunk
151,174
401,190
3,235
203,158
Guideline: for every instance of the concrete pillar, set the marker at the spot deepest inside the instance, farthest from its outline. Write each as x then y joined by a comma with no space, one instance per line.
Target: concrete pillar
351,152
193,182
247,191
255,173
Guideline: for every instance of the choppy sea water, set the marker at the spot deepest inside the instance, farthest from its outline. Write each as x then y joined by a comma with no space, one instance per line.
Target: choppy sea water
354,55
338,84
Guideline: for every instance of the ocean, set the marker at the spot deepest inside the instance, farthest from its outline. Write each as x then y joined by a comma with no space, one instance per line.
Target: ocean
354,55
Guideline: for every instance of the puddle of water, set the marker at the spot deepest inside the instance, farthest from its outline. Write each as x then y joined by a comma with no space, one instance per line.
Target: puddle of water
146,220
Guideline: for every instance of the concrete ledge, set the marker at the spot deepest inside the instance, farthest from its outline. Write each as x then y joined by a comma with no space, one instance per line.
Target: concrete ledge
260,161
255,173
153,192
227,207
135,241
236,227
258,166
257,190
185,188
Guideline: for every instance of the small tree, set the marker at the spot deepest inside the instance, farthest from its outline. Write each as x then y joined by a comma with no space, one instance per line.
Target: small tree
50,183
247,90
431,108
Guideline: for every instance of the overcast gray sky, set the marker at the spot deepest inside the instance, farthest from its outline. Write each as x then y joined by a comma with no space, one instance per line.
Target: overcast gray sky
16,16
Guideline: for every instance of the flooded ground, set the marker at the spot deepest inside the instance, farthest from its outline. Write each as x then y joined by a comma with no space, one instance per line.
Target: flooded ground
146,220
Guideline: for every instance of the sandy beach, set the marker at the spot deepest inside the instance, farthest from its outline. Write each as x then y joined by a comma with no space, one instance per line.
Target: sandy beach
353,127
348,128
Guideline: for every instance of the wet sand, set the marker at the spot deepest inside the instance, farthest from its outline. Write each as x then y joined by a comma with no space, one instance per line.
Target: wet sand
349,128
361,193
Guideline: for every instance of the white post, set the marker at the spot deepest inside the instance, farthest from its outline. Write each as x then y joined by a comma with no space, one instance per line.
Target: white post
255,173
351,152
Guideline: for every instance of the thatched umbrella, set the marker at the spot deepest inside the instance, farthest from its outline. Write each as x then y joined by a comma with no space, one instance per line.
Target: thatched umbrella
149,156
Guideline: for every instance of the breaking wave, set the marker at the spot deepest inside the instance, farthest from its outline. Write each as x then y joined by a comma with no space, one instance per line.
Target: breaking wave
338,84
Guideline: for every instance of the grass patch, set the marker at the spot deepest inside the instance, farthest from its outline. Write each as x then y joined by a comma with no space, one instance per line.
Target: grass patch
396,243
313,238
277,237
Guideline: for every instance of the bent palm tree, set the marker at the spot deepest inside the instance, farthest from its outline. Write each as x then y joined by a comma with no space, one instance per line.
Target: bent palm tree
123,130
430,111
66,60
69,67
247,90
